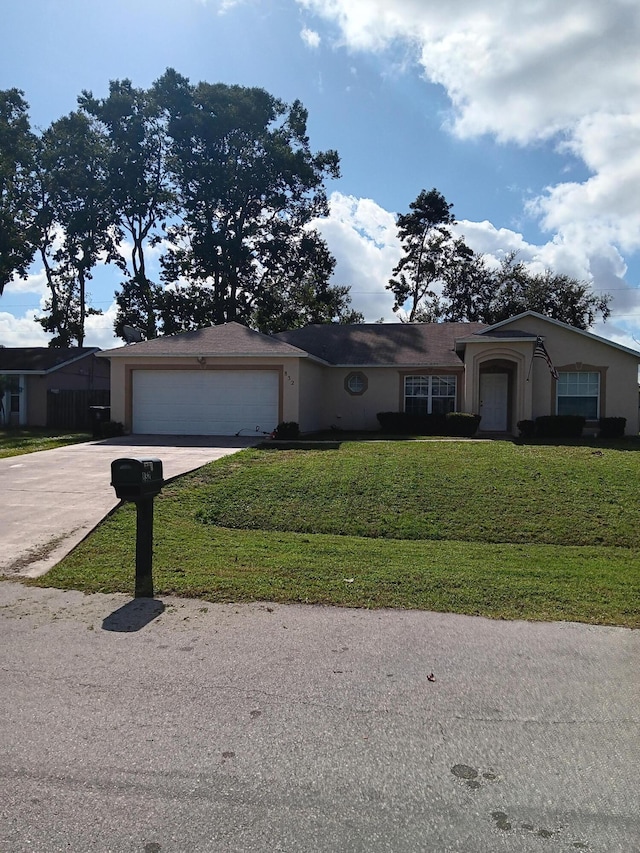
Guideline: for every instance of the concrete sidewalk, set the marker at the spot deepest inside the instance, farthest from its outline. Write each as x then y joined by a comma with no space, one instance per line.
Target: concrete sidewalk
52,499
177,725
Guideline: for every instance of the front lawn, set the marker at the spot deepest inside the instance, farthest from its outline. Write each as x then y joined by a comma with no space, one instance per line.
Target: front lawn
495,529
19,440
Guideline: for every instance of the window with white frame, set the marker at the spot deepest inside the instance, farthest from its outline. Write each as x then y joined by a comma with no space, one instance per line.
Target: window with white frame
429,395
579,394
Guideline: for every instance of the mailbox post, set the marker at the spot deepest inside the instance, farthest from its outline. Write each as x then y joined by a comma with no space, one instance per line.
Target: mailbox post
140,480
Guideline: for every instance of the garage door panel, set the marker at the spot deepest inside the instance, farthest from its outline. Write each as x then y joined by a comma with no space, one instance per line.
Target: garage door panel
216,402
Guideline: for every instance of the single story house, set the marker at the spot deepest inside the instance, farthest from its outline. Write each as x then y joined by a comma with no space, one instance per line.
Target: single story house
228,379
40,384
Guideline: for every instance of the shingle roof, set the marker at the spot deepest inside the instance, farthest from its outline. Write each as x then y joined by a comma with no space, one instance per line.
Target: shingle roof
383,343
506,333
227,339
40,359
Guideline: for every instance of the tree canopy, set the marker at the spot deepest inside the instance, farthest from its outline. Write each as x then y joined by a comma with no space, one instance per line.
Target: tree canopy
441,279
134,134
78,202
18,146
247,187
221,179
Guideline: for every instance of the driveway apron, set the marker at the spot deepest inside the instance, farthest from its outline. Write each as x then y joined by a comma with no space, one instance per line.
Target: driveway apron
52,499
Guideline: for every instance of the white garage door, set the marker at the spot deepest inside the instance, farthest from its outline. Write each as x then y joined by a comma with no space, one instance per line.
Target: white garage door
198,402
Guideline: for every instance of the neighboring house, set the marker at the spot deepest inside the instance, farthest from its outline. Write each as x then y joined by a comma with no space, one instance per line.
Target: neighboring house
230,380
47,386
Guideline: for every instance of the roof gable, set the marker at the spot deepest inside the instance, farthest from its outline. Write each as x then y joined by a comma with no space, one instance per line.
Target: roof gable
488,331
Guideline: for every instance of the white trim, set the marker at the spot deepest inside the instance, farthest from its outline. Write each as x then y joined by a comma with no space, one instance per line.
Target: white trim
598,395
430,396
94,351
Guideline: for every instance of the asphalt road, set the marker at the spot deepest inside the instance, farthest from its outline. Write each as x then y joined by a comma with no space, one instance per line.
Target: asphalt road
52,499
174,726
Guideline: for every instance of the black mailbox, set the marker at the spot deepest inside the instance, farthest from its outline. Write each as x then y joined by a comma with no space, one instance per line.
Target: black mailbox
135,479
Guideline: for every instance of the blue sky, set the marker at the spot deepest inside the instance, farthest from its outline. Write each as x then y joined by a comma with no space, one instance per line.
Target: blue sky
525,116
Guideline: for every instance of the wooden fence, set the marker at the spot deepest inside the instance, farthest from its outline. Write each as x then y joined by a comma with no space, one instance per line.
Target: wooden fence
70,409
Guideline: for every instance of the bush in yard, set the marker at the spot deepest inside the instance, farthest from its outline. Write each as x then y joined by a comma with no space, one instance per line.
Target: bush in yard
404,423
612,427
286,430
393,422
560,426
111,429
462,424
526,428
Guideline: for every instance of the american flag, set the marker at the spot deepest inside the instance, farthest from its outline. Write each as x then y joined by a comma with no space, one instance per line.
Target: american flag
541,352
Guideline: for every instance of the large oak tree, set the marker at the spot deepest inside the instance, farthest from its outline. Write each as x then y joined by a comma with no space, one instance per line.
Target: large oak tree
221,177
248,186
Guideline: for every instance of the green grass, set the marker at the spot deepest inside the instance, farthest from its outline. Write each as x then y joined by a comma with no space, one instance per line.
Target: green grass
494,492
18,440
494,529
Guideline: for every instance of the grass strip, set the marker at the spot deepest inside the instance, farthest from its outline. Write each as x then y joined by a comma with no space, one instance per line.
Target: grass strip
492,529
595,585
16,442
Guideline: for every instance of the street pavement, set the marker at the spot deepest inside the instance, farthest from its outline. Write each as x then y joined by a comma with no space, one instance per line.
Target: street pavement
52,499
148,726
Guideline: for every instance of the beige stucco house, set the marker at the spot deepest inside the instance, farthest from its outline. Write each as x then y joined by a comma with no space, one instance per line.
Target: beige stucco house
32,378
228,379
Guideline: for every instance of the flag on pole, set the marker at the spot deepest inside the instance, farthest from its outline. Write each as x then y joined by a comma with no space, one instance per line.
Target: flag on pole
541,352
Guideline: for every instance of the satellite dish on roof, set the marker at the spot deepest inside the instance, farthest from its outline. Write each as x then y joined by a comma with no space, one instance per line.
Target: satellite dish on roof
132,335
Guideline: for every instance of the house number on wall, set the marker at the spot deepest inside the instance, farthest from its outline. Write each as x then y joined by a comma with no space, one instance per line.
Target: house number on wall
291,381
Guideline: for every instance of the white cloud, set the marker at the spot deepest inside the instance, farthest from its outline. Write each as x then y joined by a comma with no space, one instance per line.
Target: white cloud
508,67
310,37
25,332
35,283
362,237
225,5
21,331
99,329
603,208
529,71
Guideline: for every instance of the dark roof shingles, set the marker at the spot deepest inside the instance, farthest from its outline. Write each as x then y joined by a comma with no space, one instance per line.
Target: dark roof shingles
39,359
383,343
225,339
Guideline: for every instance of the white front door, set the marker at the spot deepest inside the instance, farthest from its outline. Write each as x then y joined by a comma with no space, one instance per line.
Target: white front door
494,395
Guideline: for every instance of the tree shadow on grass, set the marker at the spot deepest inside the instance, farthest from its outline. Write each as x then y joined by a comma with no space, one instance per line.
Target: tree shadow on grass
133,616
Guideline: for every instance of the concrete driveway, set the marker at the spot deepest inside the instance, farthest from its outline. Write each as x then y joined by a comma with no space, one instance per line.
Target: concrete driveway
52,499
